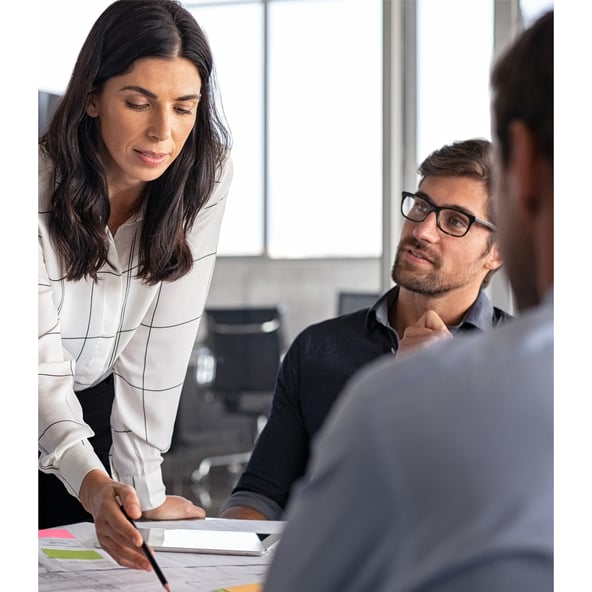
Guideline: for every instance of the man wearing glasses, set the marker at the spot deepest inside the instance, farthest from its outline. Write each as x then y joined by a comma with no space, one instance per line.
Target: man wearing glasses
443,263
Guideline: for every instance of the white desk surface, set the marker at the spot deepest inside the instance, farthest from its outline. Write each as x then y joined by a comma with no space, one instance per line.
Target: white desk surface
185,572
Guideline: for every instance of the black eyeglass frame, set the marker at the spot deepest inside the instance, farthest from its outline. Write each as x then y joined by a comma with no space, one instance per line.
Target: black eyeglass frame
438,209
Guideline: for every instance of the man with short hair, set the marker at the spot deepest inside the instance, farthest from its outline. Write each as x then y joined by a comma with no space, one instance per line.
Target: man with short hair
443,263
435,472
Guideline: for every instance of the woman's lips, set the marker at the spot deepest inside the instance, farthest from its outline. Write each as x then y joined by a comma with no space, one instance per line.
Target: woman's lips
151,158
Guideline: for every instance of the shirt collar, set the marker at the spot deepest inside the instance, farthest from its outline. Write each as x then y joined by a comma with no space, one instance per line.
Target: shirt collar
379,311
480,315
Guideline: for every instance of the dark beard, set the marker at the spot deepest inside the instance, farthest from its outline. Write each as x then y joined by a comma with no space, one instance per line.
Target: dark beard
424,284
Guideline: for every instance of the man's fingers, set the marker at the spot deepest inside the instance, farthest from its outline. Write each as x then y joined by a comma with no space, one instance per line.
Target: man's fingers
431,320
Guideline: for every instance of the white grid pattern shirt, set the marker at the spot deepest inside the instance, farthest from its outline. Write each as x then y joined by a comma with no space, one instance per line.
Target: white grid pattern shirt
143,334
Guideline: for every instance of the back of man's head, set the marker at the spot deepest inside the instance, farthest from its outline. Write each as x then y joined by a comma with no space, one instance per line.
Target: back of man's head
522,115
522,84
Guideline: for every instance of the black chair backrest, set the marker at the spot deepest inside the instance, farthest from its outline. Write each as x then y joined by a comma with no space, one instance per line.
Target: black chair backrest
352,301
247,346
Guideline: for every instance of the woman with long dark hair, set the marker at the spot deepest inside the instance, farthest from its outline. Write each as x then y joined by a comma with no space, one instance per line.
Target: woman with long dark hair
134,170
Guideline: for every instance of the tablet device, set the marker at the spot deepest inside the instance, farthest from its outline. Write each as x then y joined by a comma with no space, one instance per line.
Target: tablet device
220,542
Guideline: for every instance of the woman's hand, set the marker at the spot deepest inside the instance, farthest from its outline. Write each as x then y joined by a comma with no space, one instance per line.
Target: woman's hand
103,497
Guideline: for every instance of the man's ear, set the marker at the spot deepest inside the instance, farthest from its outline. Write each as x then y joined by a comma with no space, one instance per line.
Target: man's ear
494,259
91,106
522,169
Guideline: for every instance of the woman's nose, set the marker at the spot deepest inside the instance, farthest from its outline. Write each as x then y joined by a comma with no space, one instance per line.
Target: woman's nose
160,126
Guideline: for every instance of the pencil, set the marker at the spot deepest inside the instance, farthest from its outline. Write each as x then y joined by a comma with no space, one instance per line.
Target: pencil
150,557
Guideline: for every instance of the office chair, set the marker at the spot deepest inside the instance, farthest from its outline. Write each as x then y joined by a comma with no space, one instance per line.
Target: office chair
240,359
352,301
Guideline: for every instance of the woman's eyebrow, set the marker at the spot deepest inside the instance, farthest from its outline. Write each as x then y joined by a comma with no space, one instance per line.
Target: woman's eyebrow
151,95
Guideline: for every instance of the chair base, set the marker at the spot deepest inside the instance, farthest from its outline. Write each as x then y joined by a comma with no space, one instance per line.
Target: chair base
234,463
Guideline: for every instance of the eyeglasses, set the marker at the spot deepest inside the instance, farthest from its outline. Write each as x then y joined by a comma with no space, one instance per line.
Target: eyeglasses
449,220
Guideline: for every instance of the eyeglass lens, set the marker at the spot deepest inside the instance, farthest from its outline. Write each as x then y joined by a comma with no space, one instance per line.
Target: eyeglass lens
450,221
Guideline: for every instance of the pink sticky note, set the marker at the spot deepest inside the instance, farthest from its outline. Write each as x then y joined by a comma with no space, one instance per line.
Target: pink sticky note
56,533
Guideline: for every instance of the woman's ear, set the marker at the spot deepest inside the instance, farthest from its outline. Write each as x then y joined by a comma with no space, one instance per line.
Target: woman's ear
91,106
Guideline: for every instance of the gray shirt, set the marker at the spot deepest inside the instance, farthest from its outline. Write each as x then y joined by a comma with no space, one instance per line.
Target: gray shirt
442,483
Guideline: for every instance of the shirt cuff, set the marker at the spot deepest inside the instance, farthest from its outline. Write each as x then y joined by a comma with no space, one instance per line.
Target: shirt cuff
270,509
150,489
76,462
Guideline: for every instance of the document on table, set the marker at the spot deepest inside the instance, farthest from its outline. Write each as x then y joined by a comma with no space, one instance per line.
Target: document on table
60,549
206,579
70,560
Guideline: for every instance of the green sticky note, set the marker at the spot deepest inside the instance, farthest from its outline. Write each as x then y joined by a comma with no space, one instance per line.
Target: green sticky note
71,554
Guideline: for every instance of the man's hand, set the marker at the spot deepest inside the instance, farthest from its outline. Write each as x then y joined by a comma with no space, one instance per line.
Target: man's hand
428,328
243,513
175,507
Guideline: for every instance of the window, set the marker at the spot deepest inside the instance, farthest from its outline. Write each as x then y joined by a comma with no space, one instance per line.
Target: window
325,122
455,52
532,9
301,87
454,55
236,35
